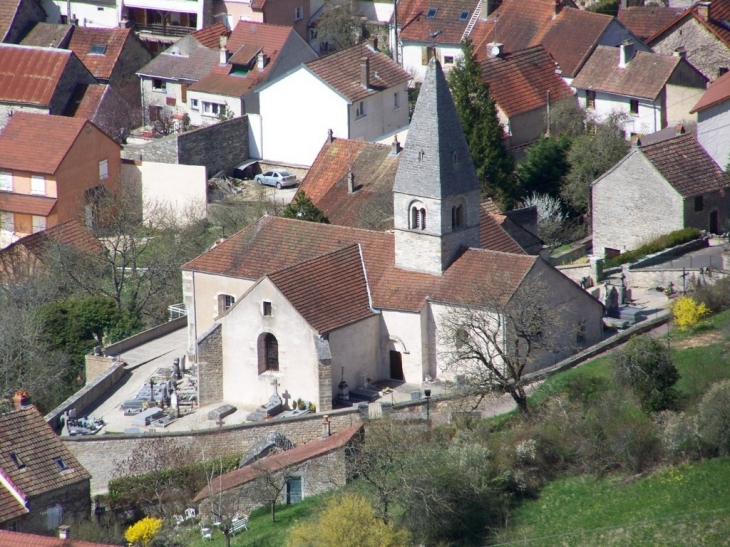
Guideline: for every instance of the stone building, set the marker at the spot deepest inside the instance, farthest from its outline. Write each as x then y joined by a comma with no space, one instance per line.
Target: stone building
656,189
17,17
310,305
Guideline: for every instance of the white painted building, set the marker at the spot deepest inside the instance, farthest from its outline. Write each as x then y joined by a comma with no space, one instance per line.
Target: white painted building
103,13
713,120
358,93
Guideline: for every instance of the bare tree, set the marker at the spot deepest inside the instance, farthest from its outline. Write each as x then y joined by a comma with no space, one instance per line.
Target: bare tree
268,485
223,505
491,343
339,25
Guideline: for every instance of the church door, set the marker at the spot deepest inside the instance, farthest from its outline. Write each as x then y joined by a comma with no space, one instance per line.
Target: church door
396,365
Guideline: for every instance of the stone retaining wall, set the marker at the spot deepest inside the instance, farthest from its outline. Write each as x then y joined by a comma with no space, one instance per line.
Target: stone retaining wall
146,336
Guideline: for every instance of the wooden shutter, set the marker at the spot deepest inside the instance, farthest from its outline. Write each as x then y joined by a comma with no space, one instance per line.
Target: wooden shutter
424,56
184,92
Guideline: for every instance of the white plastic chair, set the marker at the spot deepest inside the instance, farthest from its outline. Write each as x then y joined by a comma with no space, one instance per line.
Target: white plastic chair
207,533
179,519
189,513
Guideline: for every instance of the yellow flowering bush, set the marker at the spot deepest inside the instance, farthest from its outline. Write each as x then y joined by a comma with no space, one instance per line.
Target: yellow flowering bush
687,312
143,531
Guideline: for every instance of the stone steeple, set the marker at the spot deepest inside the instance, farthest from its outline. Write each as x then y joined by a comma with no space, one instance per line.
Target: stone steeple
436,190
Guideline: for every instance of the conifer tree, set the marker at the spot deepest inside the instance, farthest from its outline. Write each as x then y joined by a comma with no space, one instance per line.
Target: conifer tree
484,134
302,208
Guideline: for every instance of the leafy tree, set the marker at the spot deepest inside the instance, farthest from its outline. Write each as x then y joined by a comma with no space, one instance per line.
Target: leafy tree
688,313
484,133
339,24
347,521
143,532
544,166
590,156
606,7
714,418
645,365
302,208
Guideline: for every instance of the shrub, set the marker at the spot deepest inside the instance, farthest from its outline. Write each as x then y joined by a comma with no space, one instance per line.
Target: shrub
714,418
715,296
679,434
144,531
688,313
666,241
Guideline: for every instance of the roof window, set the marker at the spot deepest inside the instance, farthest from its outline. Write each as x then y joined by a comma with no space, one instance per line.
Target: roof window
464,15
61,464
432,13
98,49
17,460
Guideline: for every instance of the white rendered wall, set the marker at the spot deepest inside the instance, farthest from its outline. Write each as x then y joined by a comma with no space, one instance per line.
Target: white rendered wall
234,105
88,14
381,116
401,331
412,60
713,132
647,121
181,189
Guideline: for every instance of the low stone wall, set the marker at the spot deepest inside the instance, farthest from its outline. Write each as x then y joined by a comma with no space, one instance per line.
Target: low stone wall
662,278
146,336
578,272
87,395
95,366
679,250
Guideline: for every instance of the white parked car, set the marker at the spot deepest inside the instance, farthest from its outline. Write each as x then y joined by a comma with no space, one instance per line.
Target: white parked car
280,179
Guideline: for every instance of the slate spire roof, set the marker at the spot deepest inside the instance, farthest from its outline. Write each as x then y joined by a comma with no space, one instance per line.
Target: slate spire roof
436,161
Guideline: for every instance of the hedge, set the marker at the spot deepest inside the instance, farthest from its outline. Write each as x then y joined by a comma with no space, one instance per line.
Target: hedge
666,241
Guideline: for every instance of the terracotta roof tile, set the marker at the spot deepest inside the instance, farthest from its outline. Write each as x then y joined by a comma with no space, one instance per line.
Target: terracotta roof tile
17,539
686,166
48,35
282,460
519,82
10,508
25,433
329,291
8,9
416,27
100,65
373,169
492,236
718,92
646,21
26,204
210,36
644,76
341,71
30,74
71,233
25,132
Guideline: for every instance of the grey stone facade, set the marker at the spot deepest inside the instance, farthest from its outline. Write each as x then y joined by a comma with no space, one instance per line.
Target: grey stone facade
29,13
210,366
74,74
75,501
124,76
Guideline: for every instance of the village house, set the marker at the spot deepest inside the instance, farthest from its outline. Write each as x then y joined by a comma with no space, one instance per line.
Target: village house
656,189
310,304
651,90
44,485
646,21
288,13
38,191
358,93
17,17
704,34
713,119
113,56
87,13
40,80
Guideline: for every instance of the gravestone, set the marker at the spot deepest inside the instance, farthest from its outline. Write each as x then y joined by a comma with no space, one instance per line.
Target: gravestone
272,407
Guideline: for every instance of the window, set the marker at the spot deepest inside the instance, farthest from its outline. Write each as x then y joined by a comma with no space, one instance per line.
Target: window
194,105
39,224
293,490
225,301
421,155
6,182
159,85
396,102
360,110
427,53
590,99
721,71
458,219
461,338
17,460
299,13
580,332
267,309
60,463
54,516
455,159
312,33
448,59
418,217
268,353
103,169
464,15
634,107
431,13
699,203
38,185
213,109
97,49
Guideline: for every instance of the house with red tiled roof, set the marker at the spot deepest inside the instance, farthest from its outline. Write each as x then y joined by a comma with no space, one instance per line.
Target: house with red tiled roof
305,470
656,189
703,32
17,17
18,539
522,85
311,304
288,13
41,80
646,21
43,485
713,119
358,93
650,89
254,54
41,190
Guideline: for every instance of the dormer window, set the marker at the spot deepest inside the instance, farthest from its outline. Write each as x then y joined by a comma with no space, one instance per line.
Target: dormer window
464,15
98,49
432,13
61,464
17,460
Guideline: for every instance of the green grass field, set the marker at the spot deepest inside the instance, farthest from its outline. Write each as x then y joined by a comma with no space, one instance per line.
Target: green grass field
682,506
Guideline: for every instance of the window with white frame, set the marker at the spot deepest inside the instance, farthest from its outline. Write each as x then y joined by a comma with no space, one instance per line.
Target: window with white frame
159,85
103,169
299,13
396,101
225,302
6,182
39,224
213,109
360,109
38,185
194,105
54,516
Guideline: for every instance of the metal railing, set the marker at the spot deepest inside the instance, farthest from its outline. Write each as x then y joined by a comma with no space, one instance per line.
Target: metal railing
176,311
174,31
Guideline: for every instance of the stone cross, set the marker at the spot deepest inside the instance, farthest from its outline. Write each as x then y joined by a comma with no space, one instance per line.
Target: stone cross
275,385
286,396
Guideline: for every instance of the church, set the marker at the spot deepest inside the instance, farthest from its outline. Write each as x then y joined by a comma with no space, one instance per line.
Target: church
308,305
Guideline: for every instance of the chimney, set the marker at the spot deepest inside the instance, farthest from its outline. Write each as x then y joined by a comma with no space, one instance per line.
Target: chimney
20,399
124,23
624,4
74,20
703,10
365,72
680,52
626,53
329,136
325,426
494,49
679,130
261,61
64,532
350,182
374,43
224,50
395,147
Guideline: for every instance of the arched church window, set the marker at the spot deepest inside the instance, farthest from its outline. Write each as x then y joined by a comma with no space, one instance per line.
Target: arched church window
268,347
458,215
420,156
417,219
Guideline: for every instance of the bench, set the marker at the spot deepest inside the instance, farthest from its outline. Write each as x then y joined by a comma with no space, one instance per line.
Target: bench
237,524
